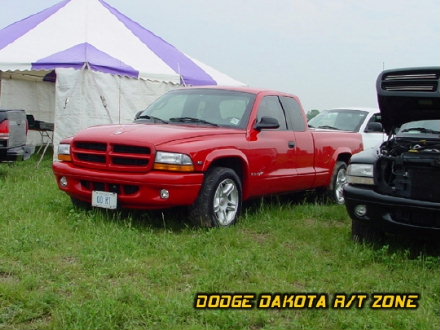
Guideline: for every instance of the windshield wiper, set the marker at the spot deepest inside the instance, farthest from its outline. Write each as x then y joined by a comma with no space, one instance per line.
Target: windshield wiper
153,118
191,120
421,130
328,127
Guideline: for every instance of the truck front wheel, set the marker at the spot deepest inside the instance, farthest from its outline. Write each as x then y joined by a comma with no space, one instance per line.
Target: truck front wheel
219,202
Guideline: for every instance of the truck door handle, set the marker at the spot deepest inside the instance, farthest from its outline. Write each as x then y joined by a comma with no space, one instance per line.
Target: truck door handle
291,144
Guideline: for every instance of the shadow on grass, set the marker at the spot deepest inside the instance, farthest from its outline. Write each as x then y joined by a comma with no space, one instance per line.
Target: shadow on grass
4,168
177,219
174,219
3,173
414,247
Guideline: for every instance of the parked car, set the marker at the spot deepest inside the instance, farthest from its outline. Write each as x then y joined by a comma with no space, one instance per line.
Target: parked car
395,188
366,121
13,132
205,148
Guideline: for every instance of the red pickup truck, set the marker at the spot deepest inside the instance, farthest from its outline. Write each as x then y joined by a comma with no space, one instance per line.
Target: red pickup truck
208,148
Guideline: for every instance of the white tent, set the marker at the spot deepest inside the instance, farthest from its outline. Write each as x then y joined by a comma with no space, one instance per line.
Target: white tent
81,63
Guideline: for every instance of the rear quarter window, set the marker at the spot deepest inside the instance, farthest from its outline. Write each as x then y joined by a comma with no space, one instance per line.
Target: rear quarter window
294,114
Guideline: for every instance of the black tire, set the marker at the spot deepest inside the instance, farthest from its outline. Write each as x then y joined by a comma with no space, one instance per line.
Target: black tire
79,204
334,191
362,232
216,207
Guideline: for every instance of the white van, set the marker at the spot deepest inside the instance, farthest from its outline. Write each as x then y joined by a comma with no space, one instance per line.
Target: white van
366,121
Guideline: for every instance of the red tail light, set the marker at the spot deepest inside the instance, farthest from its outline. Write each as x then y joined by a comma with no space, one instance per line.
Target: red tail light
4,129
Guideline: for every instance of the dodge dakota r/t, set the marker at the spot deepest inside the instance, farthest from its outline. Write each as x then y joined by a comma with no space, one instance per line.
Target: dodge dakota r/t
208,148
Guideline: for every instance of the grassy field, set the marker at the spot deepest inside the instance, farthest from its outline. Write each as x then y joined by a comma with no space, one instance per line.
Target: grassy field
66,269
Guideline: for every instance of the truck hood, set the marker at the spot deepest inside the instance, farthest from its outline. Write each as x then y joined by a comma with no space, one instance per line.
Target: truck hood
155,134
406,95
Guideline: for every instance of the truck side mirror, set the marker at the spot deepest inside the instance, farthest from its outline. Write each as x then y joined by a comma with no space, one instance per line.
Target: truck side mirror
267,123
374,127
138,114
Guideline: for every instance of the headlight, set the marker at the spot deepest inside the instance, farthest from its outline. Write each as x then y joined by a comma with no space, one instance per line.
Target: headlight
170,161
360,174
64,152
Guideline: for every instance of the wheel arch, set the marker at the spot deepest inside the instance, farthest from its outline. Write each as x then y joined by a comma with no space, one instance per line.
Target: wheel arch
340,155
343,157
233,159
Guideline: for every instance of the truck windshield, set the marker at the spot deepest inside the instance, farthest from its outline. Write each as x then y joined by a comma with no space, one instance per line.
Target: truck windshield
203,106
420,127
339,119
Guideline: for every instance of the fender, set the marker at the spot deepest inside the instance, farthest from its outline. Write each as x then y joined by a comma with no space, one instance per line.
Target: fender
341,153
224,153
228,153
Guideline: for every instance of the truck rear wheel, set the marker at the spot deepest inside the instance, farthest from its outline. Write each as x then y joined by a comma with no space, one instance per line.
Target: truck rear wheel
219,202
335,190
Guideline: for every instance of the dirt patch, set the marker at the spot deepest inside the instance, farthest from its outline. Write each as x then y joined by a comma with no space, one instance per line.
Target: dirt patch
70,260
7,277
257,237
310,222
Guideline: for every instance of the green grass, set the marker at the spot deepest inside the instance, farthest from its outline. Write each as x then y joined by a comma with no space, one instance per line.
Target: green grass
61,268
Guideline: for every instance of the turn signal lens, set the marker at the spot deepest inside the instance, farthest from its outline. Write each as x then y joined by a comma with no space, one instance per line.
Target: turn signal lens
170,167
170,161
65,158
64,153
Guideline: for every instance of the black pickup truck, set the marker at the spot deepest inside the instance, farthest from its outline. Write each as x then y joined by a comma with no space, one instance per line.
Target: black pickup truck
396,189
13,131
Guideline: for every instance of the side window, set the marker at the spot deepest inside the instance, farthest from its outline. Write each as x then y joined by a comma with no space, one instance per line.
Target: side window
376,118
294,114
371,127
271,107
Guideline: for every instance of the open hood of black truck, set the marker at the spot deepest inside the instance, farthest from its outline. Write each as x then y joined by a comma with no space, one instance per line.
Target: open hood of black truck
409,94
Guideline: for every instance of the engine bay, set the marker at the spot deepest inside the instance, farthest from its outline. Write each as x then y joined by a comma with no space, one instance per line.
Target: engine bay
409,168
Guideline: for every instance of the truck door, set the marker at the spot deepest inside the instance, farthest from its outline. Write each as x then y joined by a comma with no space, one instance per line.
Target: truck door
304,154
271,151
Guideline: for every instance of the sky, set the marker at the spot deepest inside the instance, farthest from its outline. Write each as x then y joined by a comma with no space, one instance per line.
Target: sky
327,52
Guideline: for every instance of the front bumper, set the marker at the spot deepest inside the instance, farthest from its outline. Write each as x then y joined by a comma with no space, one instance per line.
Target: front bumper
394,214
135,190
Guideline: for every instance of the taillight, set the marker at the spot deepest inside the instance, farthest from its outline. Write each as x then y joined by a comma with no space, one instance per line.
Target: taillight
4,129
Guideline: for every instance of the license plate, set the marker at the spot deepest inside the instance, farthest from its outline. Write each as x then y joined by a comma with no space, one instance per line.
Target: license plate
106,200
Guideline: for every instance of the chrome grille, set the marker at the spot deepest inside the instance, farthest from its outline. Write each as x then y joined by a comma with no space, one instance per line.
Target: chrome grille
117,157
